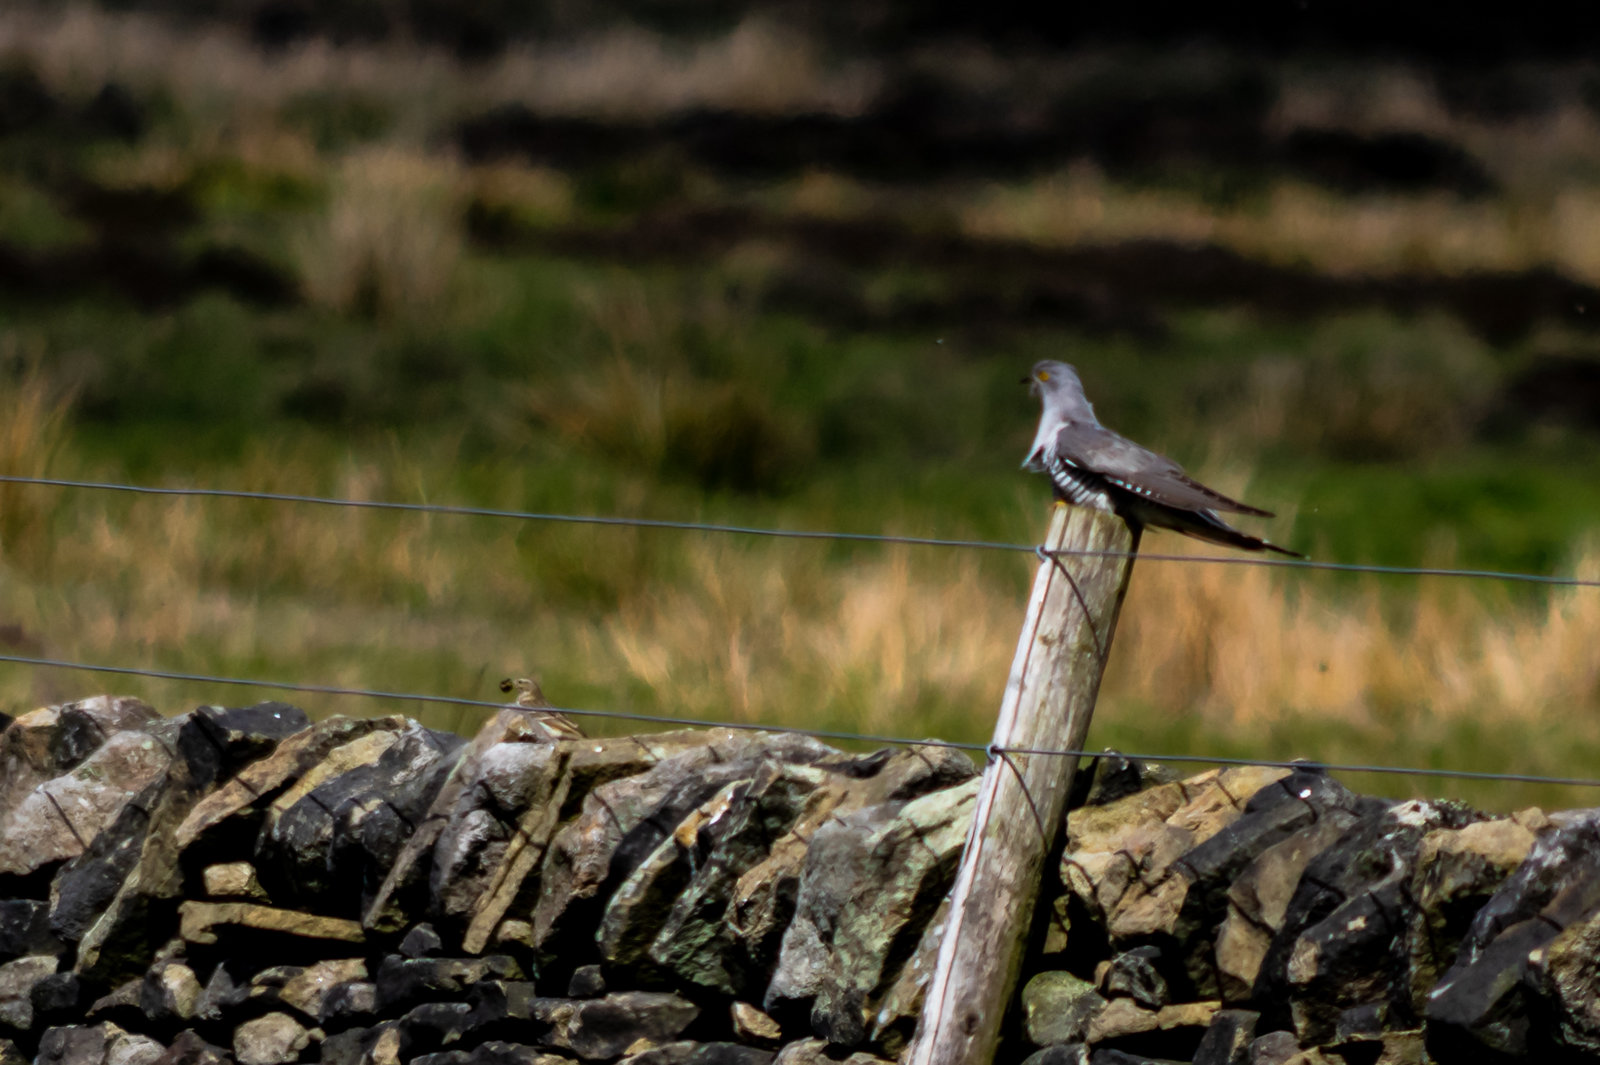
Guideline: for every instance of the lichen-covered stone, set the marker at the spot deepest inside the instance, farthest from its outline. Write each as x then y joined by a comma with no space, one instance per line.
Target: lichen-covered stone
1057,1007
872,880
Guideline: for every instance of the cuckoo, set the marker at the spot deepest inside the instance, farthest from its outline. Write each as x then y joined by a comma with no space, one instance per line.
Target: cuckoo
1091,466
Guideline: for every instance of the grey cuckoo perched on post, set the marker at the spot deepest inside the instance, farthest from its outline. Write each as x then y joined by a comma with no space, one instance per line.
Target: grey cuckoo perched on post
1091,466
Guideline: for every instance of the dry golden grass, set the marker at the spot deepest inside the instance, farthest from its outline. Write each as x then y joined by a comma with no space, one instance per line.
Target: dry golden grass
390,242
755,66
1295,224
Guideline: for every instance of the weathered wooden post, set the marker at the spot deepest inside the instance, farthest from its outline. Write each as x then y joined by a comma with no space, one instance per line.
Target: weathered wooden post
1049,698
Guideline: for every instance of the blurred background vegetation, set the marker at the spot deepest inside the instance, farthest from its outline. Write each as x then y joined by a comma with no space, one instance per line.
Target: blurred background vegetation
784,265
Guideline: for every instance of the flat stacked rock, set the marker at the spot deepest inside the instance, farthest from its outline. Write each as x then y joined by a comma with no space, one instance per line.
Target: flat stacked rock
243,885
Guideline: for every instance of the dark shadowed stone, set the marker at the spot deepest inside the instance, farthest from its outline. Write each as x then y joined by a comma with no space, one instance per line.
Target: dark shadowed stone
600,1027
120,1006
1482,1004
144,912
588,981
1343,941
817,1052
363,1046
1060,1054
421,942
434,1025
330,848
56,1000
1109,1056
25,929
494,1052
1227,1041
406,982
190,1049
701,1054
225,823
1275,812
1057,1008
1457,872
1134,974
243,734
505,774
872,880
1566,977
87,884
1258,902
10,1055
1273,1048
17,981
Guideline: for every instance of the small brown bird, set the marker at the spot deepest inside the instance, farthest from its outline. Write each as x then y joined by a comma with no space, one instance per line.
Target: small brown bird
530,697
1091,466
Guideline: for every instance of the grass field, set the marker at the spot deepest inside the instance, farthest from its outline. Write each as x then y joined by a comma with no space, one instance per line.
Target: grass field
406,357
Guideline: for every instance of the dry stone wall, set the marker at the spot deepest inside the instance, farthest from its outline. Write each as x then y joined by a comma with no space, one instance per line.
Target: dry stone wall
243,885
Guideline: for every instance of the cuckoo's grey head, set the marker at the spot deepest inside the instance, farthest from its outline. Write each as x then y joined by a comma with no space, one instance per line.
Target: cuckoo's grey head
1058,386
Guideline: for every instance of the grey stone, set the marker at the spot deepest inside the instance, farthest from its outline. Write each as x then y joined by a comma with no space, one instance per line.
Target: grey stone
272,1039
25,929
1258,902
45,743
818,1052
1343,941
60,817
1061,1053
688,1053
1057,1008
190,1049
623,821
602,1027
1457,872
1228,1040
494,1052
331,847
99,1044
406,982
700,942
1134,974
421,942
17,981
1110,1056
170,996
1273,1048
588,981
872,880
1483,1001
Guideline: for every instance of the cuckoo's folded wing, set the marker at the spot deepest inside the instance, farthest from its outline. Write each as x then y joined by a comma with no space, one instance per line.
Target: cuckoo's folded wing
1140,471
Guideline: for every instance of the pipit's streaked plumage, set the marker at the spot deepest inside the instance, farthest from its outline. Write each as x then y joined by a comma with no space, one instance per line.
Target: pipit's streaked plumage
1091,466
530,697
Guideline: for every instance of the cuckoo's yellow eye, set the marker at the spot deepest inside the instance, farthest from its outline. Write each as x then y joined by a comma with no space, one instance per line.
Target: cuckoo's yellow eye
1044,375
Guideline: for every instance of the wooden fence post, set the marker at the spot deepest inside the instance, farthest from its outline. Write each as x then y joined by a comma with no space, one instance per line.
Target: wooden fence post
1049,698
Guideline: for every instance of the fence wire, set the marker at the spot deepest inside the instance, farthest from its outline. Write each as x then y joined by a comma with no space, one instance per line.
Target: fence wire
989,750
616,521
